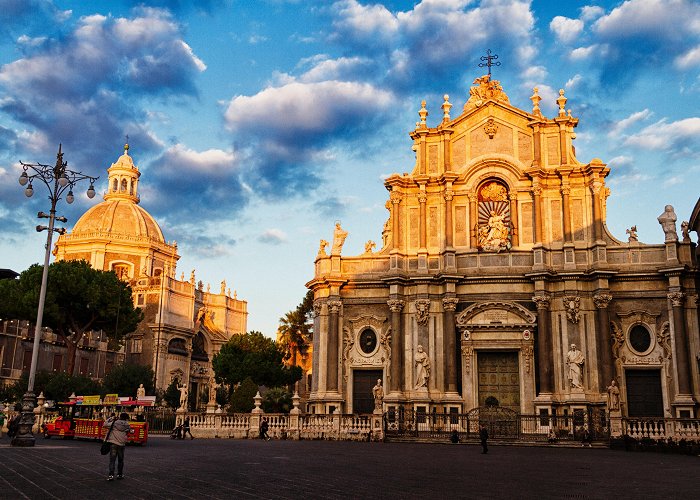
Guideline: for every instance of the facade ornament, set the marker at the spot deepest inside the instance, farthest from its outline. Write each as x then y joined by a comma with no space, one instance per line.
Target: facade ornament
467,355
192,278
395,197
339,236
663,337
378,395
450,304
536,189
422,197
183,395
613,396
601,300
322,248
317,308
676,298
423,113
449,194
535,98
684,232
472,196
485,89
446,108
334,306
632,232
571,305
422,311
422,362
395,305
348,342
491,128
528,352
561,101
494,236
385,342
369,246
467,334
565,190
223,287
575,361
668,223
542,301
618,339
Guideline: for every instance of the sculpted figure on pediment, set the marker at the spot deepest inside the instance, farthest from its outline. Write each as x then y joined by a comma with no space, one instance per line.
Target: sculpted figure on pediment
486,89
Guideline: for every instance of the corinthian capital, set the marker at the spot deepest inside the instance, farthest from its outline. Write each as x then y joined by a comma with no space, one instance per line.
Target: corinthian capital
317,308
450,304
395,198
395,305
542,301
334,306
449,194
676,298
422,198
601,300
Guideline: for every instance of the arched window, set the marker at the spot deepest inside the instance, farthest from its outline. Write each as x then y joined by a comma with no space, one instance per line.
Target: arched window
123,185
199,352
494,224
177,346
115,185
122,271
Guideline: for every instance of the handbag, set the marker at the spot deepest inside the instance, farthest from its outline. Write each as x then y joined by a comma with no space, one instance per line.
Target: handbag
106,447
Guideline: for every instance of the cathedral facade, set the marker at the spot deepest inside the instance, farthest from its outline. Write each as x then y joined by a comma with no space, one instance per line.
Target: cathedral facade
185,323
498,282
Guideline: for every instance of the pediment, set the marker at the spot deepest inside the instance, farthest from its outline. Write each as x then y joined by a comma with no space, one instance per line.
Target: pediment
495,314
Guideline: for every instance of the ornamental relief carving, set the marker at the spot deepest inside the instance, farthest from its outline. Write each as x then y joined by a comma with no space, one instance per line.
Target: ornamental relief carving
450,304
495,313
572,304
395,305
366,342
655,347
601,300
542,301
422,311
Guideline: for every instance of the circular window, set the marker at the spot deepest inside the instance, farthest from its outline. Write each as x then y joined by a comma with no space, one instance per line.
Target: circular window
640,338
368,341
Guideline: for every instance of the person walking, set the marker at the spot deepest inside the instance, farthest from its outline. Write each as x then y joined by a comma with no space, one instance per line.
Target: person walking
263,429
483,436
118,430
186,429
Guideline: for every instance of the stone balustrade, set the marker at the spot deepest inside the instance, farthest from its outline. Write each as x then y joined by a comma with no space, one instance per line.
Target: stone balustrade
662,428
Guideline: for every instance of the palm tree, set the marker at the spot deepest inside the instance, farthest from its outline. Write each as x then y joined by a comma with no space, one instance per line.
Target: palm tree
295,330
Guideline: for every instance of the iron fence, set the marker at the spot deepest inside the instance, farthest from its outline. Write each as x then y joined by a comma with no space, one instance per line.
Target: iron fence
160,420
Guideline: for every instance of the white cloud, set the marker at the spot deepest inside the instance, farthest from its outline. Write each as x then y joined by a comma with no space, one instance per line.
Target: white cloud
211,161
566,29
273,236
623,124
662,18
666,136
335,69
573,82
674,180
688,60
583,52
591,12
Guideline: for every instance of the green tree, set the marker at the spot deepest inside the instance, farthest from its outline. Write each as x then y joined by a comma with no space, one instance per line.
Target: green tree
242,397
78,299
296,329
125,378
277,400
256,356
172,394
61,385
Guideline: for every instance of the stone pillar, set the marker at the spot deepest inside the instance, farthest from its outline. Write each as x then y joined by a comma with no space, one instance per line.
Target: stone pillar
685,374
473,219
395,200
317,306
597,228
422,199
606,371
333,323
536,145
396,379
545,363
537,209
566,212
451,360
448,218
515,238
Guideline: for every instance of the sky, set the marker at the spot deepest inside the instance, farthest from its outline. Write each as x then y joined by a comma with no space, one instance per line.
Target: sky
257,125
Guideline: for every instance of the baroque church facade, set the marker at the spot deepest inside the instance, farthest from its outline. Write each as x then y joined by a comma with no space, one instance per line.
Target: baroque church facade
185,324
499,282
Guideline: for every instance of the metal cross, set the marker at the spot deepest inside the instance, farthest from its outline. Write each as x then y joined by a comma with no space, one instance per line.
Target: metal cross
489,58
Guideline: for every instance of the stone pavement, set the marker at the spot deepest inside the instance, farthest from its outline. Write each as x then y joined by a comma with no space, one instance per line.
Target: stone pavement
226,469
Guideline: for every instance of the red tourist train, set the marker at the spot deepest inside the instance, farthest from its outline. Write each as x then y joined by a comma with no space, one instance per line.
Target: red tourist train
84,416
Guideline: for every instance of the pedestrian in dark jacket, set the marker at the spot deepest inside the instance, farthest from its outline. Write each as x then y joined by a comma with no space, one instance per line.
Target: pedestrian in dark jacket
484,436
186,428
263,429
118,436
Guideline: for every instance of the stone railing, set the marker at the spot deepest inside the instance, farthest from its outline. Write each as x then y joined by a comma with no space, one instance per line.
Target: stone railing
687,429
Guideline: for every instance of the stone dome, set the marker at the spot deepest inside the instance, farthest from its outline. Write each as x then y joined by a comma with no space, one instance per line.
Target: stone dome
118,217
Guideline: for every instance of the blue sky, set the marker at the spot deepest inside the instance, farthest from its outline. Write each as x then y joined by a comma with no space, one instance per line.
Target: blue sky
256,125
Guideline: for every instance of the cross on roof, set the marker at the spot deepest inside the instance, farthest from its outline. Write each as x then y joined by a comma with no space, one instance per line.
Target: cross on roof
489,61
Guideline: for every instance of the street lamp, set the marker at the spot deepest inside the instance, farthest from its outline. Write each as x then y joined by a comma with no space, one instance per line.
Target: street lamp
57,179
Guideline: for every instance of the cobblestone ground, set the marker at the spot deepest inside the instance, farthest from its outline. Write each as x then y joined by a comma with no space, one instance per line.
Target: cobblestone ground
321,469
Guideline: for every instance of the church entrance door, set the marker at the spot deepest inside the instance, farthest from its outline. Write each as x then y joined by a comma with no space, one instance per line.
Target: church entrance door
644,397
499,377
362,383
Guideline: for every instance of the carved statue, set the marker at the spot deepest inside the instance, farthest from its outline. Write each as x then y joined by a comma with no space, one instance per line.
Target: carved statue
613,396
223,287
668,223
369,246
684,231
422,368
494,236
192,279
140,393
213,386
339,236
575,360
632,234
183,395
378,393
322,248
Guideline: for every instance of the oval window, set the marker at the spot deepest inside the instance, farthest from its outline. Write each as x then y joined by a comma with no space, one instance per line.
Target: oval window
368,341
640,338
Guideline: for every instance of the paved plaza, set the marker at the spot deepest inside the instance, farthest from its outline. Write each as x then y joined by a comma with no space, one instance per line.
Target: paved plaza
322,469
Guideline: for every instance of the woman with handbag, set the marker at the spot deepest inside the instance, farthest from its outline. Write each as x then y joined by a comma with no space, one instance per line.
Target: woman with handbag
116,437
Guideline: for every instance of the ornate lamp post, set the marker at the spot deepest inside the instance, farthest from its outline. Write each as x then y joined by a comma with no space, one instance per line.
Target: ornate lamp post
57,179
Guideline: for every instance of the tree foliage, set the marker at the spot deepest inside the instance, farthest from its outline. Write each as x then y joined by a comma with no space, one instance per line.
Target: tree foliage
172,394
56,386
78,299
277,400
252,355
125,378
242,398
296,329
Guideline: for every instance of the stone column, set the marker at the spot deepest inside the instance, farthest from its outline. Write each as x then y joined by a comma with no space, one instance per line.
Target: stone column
685,373
566,213
333,323
395,201
396,378
515,239
449,305
473,219
537,209
606,370
597,229
448,218
316,346
422,199
545,363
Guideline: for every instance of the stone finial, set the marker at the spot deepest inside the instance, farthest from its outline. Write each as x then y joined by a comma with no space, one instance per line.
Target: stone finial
535,98
446,109
561,101
423,113
258,403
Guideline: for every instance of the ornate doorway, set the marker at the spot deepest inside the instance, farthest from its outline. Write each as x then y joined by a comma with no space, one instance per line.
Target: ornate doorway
362,383
644,396
499,378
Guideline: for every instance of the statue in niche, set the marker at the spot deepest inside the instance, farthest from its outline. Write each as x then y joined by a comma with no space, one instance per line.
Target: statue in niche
422,368
494,236
613,396
493,231
378,394
339,236
668,223
632,234
575,360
